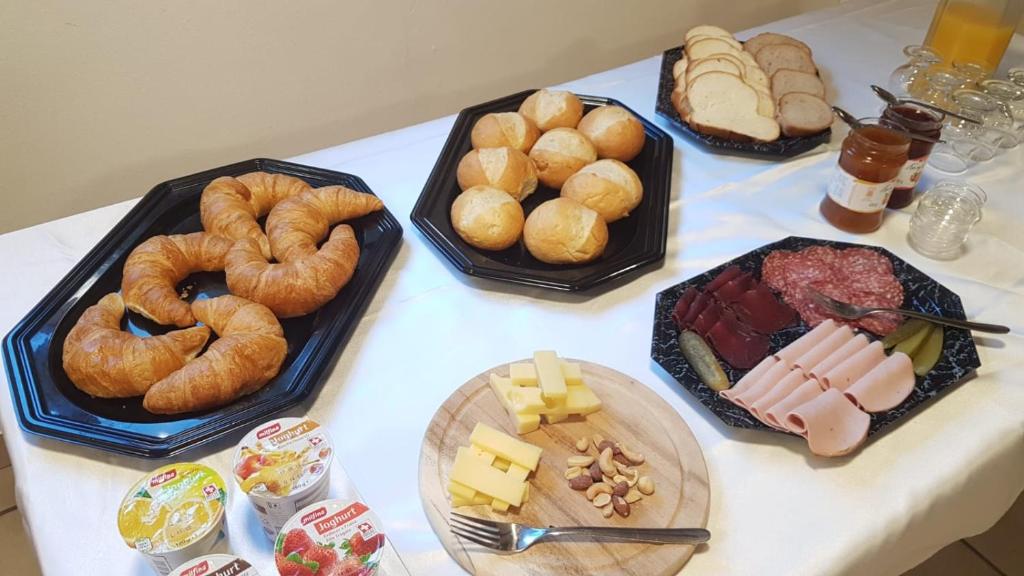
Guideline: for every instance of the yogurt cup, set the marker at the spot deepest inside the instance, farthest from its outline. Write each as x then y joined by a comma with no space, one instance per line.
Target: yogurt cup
330,538
174,514
283,466
216,565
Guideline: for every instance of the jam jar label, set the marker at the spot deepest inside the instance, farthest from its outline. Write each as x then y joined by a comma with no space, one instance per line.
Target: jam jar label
859,195
910,174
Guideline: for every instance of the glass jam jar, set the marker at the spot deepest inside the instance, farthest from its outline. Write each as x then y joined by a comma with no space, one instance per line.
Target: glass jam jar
915,120
869,163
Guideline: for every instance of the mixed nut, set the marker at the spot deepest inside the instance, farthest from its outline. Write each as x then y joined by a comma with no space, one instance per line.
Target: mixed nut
611,480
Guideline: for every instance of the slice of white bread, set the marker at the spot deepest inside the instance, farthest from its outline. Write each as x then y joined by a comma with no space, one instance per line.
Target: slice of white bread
801,114
765,102
768,38
727,39
785,81
706,30
721,104
778,56
709,47
721,64
679,68
679,102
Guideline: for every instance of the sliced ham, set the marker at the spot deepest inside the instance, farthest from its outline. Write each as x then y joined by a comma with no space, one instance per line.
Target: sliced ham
855,367
776,415
763,311
885,386
780,391
755,391
803,344
854,345
823,349
832,424
750,378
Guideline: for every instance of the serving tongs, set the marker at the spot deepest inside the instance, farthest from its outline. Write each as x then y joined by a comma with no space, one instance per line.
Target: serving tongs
895,100
852,121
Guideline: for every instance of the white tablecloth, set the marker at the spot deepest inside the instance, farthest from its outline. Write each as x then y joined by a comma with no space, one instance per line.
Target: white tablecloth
947,472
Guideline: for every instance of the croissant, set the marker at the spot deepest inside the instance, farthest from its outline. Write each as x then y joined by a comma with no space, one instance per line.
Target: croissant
103,361
297,224
296,287
154,268
248,353
230,206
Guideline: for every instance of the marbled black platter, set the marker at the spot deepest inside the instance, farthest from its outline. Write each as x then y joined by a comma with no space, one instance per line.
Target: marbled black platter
784,147
921,292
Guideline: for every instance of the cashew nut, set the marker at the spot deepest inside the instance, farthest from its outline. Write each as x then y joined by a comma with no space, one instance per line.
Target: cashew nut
599,488
646,485
602,500
608,510
573,472
623,469
596,440
634,457
581,461
606,464
582,444
632,496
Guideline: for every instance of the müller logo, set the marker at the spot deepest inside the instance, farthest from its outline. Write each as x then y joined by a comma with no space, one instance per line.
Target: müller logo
272,429
165,477
340,518
314,515
198,569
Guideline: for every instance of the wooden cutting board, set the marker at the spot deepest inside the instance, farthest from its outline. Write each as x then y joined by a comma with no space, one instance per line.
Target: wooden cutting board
632,414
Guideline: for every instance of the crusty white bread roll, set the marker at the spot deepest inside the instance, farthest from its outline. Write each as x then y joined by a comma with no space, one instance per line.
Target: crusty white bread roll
500,129
775,57
487,218
768,38
563,231
550,109
707,30
559,153
608,187
614,132
785,81
505,168
723,105
801,114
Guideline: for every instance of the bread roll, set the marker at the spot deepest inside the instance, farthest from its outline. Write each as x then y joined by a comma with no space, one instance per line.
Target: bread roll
563,231
608,187
500,129
487,218
551,109
505,168
614,132
559,154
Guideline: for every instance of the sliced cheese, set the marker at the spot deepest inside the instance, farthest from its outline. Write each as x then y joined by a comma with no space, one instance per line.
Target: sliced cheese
555,417
572,373
475,473
549,374
579,400
526,423
522,374
517,399
504,446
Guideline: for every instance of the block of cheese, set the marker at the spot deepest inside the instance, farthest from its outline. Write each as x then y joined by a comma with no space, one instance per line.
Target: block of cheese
549,374
579,400
572,373
517,399
504,446
473,472
522,374
503,388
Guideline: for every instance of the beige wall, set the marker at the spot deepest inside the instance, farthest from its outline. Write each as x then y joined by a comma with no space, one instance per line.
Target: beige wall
103,99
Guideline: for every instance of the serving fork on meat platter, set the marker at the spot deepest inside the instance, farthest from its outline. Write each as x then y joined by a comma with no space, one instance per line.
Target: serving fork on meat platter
512,537
853,312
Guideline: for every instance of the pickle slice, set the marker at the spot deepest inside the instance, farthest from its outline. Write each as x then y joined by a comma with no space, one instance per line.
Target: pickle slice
702,358
927,355
906,330
911,344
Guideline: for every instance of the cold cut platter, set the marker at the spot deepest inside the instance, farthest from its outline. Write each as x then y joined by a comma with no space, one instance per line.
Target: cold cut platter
749,341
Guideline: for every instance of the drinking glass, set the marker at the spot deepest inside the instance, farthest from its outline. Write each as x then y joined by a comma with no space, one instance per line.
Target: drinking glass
972,71
1008,95
938,84
996,122
919,58
944,218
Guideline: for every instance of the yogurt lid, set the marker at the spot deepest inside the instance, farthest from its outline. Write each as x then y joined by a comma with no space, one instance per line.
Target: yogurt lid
215,565
282,457
172,507
333,537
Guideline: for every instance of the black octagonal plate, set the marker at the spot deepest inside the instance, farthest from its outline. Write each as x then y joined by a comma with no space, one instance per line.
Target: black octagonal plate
633,244
784,147
48,404
959,355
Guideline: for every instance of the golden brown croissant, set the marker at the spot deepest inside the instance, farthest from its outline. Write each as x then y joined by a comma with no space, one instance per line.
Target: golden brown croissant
101,360
269,189
298,286
297,224
230,206
248,353
155,267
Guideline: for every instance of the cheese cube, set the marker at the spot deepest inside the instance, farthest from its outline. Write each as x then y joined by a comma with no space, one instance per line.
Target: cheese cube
549,374
579,400
474,473
458,490
555,417
503,389
516,399
504,446
526,422
572,373
522,374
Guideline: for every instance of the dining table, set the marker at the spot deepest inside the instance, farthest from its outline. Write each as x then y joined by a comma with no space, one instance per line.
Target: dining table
948,470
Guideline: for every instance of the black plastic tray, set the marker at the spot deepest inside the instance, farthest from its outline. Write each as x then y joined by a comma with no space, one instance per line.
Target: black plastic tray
784,147
634,242
48,404
921,292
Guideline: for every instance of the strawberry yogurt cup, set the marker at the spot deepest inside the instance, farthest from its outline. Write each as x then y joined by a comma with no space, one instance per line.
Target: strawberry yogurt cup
174,514
216,565
283,466
330,538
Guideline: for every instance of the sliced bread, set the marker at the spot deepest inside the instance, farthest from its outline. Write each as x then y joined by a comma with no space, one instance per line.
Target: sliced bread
727,39
721,104
706,47
778,56
679,68
721,64
706,30
801,114
768,38
679,102
765,102
786,81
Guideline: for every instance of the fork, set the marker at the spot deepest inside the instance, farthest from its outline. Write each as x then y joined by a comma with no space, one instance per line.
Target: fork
853,312
511,537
